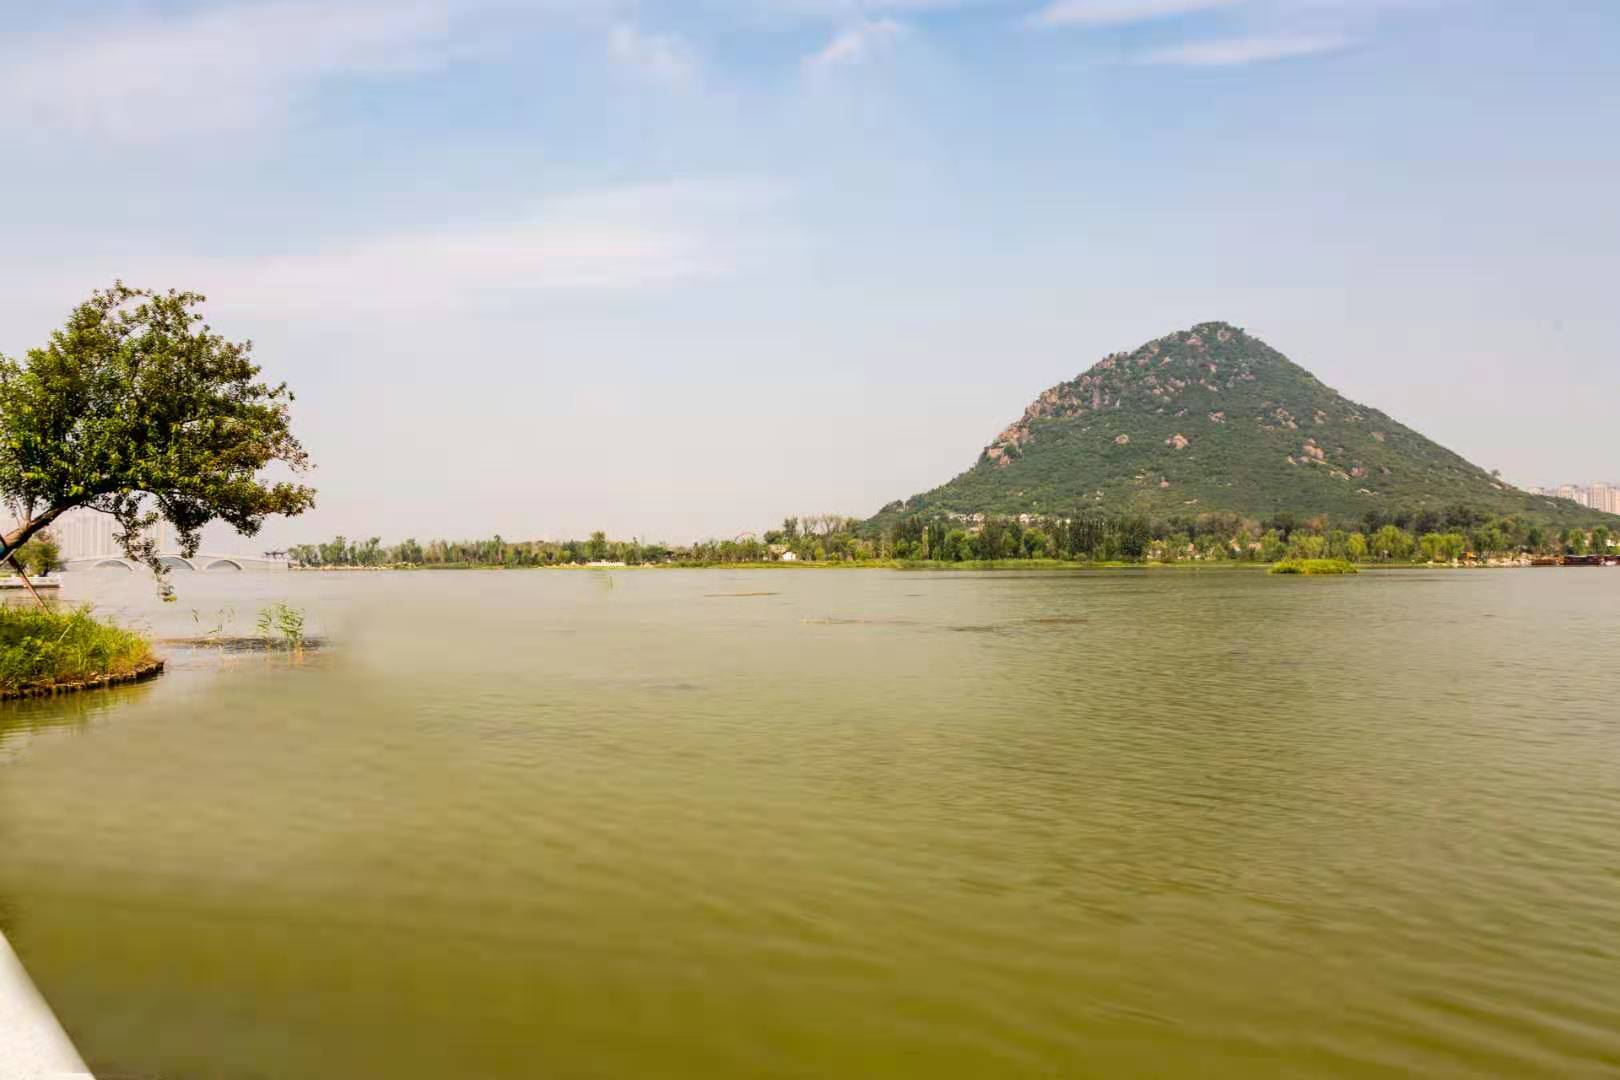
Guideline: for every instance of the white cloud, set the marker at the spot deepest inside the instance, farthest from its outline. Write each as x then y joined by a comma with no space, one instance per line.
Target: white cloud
1119,12
621,238
857,43
661,57
612,239
848,9
1237,51
213,70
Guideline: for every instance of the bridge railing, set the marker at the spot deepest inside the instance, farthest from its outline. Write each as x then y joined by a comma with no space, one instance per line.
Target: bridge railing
175,561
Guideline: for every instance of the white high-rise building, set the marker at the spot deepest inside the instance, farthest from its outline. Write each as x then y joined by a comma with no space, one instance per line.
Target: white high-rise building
1599,496
85,534
90,534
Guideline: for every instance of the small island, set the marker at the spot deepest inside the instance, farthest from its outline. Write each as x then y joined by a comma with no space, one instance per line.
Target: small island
52,652
1314,567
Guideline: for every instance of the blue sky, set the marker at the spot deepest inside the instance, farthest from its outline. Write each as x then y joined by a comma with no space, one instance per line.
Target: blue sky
680,269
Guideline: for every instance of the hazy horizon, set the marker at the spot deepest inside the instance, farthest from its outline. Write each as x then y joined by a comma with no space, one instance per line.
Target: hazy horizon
680,270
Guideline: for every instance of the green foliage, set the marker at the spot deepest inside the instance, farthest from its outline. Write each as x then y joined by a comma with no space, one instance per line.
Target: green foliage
1449,547
1093,536
1390,543
1313,567
1307,546
814,538
282,624
1214,420
41,555
138,409
493,552
45,648
1086,536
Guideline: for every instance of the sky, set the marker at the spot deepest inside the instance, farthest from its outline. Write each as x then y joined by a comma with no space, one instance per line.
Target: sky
679,269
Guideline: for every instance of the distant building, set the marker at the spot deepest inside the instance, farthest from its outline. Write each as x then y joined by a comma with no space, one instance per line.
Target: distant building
90,534
1599,496
85,534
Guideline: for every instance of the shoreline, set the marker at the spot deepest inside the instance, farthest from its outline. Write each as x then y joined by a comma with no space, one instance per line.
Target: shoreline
33,1045
904,565
149,670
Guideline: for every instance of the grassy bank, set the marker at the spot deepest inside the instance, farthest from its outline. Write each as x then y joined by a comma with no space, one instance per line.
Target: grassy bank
46,650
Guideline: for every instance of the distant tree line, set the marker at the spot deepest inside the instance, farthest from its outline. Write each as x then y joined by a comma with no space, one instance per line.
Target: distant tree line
1086,536
342,552
1097,536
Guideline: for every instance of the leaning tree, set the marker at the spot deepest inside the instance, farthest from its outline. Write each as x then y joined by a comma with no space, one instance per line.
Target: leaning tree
137,409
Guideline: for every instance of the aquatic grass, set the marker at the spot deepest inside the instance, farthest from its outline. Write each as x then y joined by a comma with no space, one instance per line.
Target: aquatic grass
1314,566
40,649
284,624
222,618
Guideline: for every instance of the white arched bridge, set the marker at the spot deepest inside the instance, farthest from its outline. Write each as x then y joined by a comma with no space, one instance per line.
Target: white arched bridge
202,561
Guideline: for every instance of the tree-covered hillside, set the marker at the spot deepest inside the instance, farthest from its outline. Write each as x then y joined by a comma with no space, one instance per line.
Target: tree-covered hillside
1212,419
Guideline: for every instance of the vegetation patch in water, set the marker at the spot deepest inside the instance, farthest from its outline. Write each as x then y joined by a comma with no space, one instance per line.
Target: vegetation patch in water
1314,566
282,625
45,651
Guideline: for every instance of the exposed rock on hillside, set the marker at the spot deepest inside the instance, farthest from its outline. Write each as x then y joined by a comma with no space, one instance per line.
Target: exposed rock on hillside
1275,439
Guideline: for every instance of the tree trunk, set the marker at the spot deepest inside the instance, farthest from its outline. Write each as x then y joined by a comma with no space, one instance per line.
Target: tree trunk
16,538
20,536
22,574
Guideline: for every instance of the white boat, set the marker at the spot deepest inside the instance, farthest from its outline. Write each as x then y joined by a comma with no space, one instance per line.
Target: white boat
32,1043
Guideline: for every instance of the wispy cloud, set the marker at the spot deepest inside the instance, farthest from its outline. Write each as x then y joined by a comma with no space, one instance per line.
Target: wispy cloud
1119,12
1238,51
619,238
858,43
213,70
604,240
662,57
848,9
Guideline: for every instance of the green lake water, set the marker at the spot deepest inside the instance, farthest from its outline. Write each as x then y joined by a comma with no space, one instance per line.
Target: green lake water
833,824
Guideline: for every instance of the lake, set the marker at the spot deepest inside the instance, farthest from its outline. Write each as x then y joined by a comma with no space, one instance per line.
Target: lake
807,823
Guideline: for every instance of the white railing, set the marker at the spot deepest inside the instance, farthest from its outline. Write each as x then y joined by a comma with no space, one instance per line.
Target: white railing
201,561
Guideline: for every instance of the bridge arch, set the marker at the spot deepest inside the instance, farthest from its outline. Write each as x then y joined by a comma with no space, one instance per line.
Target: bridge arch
114,564
175,562
225,564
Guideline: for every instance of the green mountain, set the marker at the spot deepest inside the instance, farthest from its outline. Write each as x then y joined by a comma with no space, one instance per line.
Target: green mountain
1212,419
